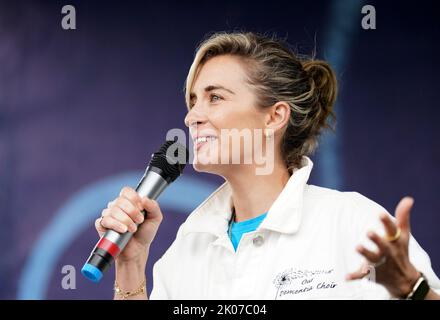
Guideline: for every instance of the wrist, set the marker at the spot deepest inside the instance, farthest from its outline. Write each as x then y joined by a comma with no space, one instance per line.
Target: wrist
420,290
140,293
130,276
140,259
132,264
409,283
130,272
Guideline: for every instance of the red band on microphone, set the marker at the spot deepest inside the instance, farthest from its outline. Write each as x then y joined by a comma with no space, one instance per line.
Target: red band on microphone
108,246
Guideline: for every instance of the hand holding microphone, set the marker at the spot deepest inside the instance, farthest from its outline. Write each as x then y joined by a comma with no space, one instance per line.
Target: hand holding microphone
125,214
124,233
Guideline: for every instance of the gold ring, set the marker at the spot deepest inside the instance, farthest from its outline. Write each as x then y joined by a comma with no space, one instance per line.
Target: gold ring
395,237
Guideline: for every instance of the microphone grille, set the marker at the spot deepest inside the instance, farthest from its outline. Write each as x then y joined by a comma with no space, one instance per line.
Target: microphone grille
171,159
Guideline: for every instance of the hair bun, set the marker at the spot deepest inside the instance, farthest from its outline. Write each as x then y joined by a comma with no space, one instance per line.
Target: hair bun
324,80
324,85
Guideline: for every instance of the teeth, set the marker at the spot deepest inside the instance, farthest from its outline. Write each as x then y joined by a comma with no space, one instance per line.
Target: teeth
204,139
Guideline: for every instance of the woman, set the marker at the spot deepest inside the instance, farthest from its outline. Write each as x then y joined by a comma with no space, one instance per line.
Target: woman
267,236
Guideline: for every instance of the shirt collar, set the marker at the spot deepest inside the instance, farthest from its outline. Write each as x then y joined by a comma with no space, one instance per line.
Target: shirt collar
284,216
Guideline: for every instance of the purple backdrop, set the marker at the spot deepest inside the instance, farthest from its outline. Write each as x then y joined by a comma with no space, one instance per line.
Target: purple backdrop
79,106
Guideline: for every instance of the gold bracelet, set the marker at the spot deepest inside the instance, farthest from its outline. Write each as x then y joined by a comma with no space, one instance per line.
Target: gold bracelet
126,294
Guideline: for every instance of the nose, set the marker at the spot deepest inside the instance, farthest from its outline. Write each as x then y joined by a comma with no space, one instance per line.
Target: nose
194,118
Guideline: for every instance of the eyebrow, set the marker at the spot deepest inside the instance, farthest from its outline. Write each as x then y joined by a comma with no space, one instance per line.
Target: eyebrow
216,87
213,87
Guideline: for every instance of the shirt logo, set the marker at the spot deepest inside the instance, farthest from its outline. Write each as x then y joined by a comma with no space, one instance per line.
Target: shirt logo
293,281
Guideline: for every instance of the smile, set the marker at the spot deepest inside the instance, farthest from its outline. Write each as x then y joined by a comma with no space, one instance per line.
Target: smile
199,141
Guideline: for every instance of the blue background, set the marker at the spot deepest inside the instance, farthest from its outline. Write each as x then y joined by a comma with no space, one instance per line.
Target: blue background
82,110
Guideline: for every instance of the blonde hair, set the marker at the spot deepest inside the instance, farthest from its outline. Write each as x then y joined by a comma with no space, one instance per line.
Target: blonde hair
276,73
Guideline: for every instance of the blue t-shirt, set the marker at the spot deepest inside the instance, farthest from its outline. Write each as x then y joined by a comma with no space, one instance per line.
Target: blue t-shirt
239,228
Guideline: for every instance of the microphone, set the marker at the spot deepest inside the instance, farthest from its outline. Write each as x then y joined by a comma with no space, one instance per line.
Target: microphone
165,166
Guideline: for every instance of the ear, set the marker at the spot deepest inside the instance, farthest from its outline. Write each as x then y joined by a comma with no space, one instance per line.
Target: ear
277,116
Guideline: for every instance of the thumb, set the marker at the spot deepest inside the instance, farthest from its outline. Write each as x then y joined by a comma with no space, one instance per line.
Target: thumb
153,210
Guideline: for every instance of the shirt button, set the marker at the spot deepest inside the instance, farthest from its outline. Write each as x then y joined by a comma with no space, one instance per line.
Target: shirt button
258,240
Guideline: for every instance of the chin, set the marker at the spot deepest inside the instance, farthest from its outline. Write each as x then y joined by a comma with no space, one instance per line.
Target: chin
216,169
200,167
209,161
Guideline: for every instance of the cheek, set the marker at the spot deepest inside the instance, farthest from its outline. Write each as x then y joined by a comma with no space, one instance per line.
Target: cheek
242,140
225,119
236,117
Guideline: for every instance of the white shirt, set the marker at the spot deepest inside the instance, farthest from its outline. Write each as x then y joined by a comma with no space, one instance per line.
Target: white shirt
303,249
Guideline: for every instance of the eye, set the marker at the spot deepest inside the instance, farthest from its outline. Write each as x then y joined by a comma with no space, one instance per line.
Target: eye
214,98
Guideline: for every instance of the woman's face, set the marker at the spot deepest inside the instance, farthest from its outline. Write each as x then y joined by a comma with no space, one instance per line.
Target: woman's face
222,100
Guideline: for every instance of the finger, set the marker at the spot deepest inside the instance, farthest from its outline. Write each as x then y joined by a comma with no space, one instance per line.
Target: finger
111,223
152,208
359,274
99,227
390,226
120,215
106,212
382,244
130,209
111,204
371,256
403,212
132,195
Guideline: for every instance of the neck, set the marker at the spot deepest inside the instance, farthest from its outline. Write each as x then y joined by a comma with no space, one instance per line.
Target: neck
252,194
